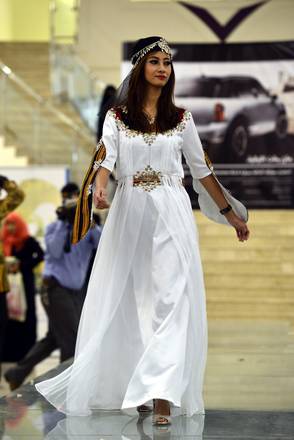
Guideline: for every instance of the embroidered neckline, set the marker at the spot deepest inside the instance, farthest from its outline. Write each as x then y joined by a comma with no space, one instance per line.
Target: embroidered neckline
149,138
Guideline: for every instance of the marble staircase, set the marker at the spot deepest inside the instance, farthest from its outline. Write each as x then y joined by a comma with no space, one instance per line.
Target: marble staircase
31,61
253,279
9,157
40,130
250,308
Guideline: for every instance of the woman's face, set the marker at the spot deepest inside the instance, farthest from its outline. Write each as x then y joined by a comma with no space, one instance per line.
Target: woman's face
11,227
157,69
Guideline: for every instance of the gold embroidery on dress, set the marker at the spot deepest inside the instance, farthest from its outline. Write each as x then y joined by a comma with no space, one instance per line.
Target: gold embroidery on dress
97,164
148,179
149,138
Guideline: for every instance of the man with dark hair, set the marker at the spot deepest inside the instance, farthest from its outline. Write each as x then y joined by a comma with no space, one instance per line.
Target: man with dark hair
63,289
70,190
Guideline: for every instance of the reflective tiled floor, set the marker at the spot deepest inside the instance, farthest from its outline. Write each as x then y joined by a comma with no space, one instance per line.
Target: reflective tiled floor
25,415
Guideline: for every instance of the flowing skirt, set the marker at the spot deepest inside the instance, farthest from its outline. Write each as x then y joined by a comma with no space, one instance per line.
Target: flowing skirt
143,331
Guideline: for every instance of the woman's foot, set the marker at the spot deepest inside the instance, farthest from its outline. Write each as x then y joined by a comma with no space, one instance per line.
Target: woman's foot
161,415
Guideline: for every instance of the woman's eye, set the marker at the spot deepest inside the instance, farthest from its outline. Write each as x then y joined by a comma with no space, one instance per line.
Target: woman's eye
153,61
167,63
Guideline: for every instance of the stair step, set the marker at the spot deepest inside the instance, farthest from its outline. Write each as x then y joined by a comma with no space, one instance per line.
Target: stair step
260,230
245,255
254,301
237,268
9,156
231,242
267,295
224,281
225,310
250,364
256,217
234,327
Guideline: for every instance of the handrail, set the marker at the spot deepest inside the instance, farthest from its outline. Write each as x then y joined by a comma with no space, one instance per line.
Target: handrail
68,49
42,101
92,75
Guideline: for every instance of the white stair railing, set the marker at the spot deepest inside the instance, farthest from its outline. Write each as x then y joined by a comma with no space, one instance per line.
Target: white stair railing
36,127
71,78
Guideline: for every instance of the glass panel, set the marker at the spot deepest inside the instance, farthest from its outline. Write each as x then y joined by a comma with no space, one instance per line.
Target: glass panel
65,18
38,133
72,80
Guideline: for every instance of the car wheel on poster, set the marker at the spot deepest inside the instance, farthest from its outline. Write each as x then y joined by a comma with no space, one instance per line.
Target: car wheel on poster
237,139
281,126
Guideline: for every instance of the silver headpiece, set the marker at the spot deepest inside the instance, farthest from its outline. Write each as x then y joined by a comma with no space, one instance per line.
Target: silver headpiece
141,49
162,44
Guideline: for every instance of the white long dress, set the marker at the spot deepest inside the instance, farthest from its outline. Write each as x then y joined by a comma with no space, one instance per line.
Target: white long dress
142,332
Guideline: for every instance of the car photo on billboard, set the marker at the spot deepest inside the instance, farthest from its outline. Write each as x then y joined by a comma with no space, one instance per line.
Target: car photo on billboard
230,112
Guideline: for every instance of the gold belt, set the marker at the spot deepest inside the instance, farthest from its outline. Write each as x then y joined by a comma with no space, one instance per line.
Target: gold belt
148,179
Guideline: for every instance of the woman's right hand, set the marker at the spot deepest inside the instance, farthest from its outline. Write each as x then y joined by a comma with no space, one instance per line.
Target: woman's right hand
100,198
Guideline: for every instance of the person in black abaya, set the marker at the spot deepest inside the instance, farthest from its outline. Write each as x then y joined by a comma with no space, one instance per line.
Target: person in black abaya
17,242
106,103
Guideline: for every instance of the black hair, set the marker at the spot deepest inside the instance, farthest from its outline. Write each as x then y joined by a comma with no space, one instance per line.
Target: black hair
71,188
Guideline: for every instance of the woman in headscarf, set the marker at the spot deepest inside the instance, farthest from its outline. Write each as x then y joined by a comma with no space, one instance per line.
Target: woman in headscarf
17,242
13,197
142,333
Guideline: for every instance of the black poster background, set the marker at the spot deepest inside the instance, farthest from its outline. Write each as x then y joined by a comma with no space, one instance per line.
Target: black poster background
242,100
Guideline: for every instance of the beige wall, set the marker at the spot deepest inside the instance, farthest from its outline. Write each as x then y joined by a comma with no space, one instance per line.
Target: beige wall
24,20
29,20
106,24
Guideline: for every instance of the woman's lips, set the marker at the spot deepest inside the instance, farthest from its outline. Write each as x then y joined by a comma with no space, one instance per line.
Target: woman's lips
161,77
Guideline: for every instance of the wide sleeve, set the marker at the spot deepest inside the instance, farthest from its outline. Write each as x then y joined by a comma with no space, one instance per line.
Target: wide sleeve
193,151
200,166
104,156
110,140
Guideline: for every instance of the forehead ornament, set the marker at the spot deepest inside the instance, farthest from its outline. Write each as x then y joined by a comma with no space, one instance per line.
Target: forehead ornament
162,44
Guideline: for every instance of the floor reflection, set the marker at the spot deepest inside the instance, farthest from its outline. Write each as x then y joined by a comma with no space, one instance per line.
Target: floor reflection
125,426
26,415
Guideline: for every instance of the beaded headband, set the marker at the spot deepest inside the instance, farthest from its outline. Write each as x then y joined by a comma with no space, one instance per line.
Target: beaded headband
161,43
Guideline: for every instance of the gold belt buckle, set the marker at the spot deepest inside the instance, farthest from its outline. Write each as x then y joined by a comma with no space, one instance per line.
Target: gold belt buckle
148,179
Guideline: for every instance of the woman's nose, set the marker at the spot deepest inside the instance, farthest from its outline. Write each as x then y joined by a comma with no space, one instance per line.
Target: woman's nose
162,68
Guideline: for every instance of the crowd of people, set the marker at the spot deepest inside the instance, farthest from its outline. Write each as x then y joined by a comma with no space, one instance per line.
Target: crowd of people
64,276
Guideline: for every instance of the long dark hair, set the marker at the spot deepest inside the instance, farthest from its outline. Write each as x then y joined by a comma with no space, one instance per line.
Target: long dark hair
107,101
168,115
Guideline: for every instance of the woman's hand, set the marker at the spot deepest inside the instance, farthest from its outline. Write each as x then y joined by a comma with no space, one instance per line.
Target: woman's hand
239,225
100,198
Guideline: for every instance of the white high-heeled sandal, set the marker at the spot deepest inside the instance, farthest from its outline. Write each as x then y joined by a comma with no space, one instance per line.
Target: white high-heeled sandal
160,419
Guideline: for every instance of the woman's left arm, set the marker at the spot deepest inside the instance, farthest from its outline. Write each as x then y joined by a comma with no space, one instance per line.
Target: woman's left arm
214,190
194,155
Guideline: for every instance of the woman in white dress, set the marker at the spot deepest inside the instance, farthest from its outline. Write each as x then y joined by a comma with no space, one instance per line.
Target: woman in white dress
142,333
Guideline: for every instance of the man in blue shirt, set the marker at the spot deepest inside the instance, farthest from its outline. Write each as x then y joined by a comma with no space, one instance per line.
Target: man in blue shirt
63,289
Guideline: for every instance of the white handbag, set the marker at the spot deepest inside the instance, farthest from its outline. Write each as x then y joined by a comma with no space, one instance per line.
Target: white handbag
16,299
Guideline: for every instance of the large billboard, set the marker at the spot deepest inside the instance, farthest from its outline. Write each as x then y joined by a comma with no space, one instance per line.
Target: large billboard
242,99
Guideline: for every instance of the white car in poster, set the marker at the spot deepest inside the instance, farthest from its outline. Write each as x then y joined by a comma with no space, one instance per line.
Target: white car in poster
229,110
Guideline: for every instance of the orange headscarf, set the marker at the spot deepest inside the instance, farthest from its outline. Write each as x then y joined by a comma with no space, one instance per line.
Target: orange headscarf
14,240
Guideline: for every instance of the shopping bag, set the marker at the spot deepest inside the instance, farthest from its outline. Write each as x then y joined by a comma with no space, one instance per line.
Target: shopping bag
16,299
